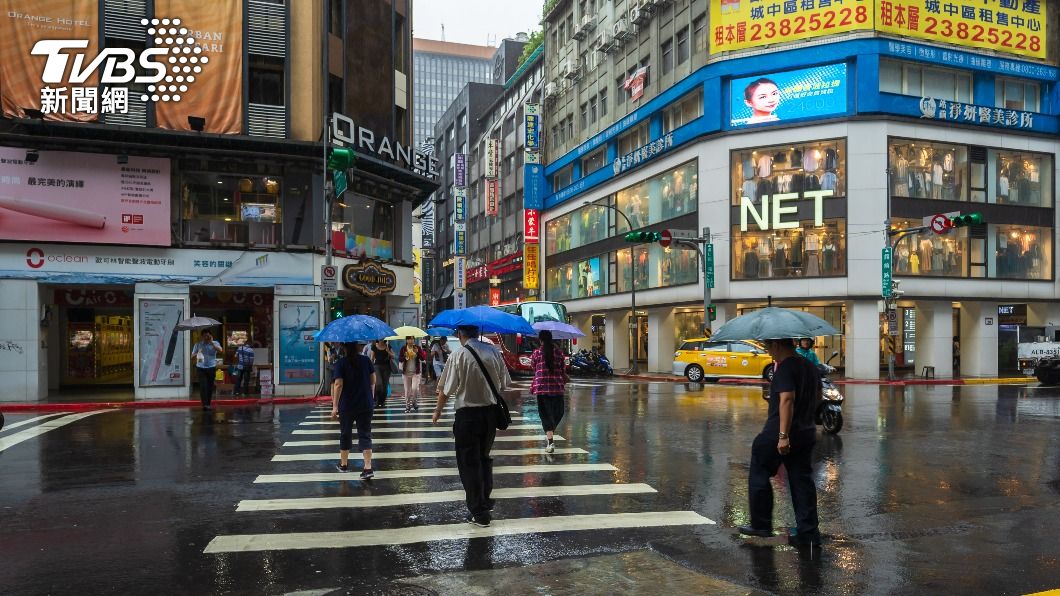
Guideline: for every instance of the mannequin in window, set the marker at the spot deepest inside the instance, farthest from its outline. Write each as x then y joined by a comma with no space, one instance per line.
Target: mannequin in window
914,263
938,256
678,193
750,261
925,255
765,265
828,256
797,249
1002,186
635,206
780,257
903,259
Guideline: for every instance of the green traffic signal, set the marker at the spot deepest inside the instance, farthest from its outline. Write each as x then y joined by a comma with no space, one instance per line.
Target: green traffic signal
968,219
336,308
643,237
340,158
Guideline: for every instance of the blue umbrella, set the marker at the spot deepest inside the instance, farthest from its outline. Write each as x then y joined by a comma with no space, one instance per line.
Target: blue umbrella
559,330
440,331
486,318
773,323
355,328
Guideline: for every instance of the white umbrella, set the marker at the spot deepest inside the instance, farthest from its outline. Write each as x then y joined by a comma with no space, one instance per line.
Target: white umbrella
197,323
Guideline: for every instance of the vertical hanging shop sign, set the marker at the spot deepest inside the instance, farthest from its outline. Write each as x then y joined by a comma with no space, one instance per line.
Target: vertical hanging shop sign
493,152
531,229
460,240
491,197
460,204
495,296
531,261
460,178
534,186
460,273
532,126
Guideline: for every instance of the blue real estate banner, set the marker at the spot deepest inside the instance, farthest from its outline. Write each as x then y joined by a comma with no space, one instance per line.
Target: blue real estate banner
794,94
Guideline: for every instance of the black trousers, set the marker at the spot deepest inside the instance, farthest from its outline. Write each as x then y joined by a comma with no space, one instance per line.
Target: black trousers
363,420
474,430
765,461
381,385
550,408
206,376
242,381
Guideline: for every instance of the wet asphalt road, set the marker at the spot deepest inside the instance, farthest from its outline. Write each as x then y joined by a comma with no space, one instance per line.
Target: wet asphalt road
926,490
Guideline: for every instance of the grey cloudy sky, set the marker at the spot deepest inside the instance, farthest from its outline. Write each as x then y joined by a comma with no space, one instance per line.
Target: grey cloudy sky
474,21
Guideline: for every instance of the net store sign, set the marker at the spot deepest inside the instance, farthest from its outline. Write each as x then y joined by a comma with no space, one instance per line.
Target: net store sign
781,205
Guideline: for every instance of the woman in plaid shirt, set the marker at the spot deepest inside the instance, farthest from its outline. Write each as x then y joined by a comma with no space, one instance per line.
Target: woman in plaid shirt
550,381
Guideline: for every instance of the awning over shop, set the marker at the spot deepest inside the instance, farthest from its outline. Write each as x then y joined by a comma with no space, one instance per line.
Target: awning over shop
264,269
103,279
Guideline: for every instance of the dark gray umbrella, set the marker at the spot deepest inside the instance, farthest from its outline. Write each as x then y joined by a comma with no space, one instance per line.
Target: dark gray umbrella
197,323
773,323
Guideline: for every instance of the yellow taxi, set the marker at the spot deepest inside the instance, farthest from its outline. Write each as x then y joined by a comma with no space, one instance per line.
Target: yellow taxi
704,358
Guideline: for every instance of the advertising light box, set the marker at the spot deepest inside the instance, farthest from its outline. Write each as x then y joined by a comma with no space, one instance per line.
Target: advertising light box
794,94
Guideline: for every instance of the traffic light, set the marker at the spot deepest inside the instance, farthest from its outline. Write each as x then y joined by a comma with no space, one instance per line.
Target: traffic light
712,312
336,308
643,237
340,158
968,219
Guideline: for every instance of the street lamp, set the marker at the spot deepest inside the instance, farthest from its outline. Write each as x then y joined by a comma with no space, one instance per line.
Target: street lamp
634,331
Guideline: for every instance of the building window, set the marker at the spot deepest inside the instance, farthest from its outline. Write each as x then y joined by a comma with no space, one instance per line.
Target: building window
1016,94
761,172
620,90
699,33
463,120
907,78
603,101
266,81
807,250
593,115
594,161
684,111
634,139
231,209
928,170
570,128
562,178
667,56
585,116
659,198
682,45
1022,178
368,227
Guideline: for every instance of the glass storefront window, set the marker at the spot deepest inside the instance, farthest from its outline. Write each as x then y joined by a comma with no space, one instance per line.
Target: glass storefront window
364,226
928,170
687,325
578,228
1021,178
660,198
804,251
928,253
231,209
765,171
624,268
1021,252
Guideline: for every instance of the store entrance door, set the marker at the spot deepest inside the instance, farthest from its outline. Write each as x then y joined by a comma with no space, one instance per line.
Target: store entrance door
640,324
96,337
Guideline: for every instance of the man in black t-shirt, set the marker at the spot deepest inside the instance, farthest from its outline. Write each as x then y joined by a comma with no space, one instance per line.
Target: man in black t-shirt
787,438
351,402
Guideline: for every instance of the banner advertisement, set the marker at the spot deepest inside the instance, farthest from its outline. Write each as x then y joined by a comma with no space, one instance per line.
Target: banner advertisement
460,178
535,186
460,204
493,157
531,263
299,352
495,296
1007,26
741,24
491,197
459,272
532,126
531,227
635,83
22,73
213,70
84,197
804,93
459,299
460,238
162,347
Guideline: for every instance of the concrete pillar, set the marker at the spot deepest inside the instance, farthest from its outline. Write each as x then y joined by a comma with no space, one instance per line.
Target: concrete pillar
20,345
862,359
292,353
934,337
978,339
584,322
661,337
163,355
726,313
616,332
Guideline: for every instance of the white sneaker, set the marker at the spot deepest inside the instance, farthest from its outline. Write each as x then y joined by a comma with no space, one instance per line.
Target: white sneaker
550,447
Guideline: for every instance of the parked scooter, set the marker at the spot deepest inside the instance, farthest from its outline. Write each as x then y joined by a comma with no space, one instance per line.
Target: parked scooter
590,363
829,412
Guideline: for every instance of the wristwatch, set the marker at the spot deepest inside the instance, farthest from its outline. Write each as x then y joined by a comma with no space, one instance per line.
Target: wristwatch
783,435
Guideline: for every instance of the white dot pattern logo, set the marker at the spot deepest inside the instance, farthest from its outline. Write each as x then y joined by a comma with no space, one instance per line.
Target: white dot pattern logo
184,57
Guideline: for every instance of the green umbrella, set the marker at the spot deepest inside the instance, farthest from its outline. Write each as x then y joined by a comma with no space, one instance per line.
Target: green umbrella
773,323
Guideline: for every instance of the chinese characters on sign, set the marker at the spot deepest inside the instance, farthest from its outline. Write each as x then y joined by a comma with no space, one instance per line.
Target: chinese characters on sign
635,157
803,93
1013,26
531,230
532,124
84,100
459,206
740,24
460,273
493,153
461,170
460,238
635,83
495,296
534,186
531,262
491,197
940,109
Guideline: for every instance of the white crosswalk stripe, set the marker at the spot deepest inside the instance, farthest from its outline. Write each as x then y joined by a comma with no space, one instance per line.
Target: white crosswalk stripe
24,435
424,419
418,440
420,454
405,429
501,527
431,473
22,423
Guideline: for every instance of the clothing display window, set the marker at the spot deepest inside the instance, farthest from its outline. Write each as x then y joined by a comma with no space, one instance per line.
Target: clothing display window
584,226
687,325
765,171
611,273
804,251
1022,252
928,170
1022,178
659,198
928,253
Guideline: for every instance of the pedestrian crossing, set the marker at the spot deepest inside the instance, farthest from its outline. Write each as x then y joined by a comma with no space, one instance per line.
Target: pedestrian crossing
410,448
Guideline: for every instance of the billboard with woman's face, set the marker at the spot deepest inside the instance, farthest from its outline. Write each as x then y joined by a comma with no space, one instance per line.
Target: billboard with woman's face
794,94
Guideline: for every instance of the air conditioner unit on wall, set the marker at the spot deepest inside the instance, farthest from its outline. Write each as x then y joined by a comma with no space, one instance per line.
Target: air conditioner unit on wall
638,15
573,69
662,2
551,90
606,44
589,22
580,32
621,30
564,69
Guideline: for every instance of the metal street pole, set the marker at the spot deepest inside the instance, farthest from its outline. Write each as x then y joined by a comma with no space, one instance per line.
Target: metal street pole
706,286
634,328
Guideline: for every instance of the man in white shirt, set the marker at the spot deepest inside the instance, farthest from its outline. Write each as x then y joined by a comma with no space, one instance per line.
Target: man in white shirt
475,426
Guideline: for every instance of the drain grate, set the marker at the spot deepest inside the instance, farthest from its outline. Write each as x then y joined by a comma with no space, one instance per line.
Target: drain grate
909,534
